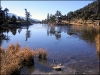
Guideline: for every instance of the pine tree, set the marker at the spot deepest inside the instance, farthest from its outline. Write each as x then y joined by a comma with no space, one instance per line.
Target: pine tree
6,10
13,19
27,15
48,17
19,19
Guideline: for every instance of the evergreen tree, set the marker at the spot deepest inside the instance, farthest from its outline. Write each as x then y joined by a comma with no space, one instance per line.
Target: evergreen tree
57,15
27,15
52,19
13,19
0,8
48,17
90,11
19,19
6,10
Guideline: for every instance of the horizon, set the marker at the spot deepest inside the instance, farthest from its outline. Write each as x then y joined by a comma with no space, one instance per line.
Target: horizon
40,9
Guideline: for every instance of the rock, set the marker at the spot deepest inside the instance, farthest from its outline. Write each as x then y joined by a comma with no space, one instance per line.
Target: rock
58,68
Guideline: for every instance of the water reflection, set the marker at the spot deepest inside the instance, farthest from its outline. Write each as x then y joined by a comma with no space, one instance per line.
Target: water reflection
4,36
27,33
80,45
4,33
8,38
26,70
14,30
19,30
85,33
54,30
42,60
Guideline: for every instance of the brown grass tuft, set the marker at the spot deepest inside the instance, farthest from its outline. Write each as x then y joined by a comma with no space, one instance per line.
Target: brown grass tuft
42,54
2,50
17,47
28,56
14,58
97,40
2,53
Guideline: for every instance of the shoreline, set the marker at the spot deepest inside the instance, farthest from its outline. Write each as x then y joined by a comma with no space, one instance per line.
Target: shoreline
80,23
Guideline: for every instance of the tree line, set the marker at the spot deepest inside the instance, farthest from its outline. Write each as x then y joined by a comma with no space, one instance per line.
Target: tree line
13,19
52,18
89,12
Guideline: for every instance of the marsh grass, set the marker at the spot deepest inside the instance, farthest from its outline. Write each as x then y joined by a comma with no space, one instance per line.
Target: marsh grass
97,40
28,56
42,54
14,57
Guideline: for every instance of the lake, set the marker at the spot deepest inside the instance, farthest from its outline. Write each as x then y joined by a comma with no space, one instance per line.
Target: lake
73,46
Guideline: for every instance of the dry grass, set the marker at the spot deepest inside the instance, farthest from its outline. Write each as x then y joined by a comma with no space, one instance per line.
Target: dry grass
41,54
80,22
14,58
97,40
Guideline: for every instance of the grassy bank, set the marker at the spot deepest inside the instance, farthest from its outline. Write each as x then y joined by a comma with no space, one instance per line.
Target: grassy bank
14,57
80,22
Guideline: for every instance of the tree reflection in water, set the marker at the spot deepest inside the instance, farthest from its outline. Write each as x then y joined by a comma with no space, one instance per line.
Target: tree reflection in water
4,36
27,33
88,34
13,31
56,31
19,30
7,36
85,33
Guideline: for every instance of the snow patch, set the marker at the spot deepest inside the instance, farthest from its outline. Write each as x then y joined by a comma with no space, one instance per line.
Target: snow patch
11,14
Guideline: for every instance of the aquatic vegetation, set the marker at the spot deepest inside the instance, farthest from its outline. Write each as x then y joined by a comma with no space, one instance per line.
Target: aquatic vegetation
14,57
97,40
28,56
42,54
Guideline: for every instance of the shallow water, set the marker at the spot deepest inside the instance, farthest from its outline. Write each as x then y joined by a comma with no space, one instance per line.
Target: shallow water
73,46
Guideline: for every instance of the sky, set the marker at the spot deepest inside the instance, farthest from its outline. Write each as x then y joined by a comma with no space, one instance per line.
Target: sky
40,9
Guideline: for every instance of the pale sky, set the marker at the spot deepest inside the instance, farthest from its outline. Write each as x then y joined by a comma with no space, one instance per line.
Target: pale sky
39,9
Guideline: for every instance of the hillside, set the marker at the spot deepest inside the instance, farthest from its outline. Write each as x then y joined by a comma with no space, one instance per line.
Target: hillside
88,15
89,12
